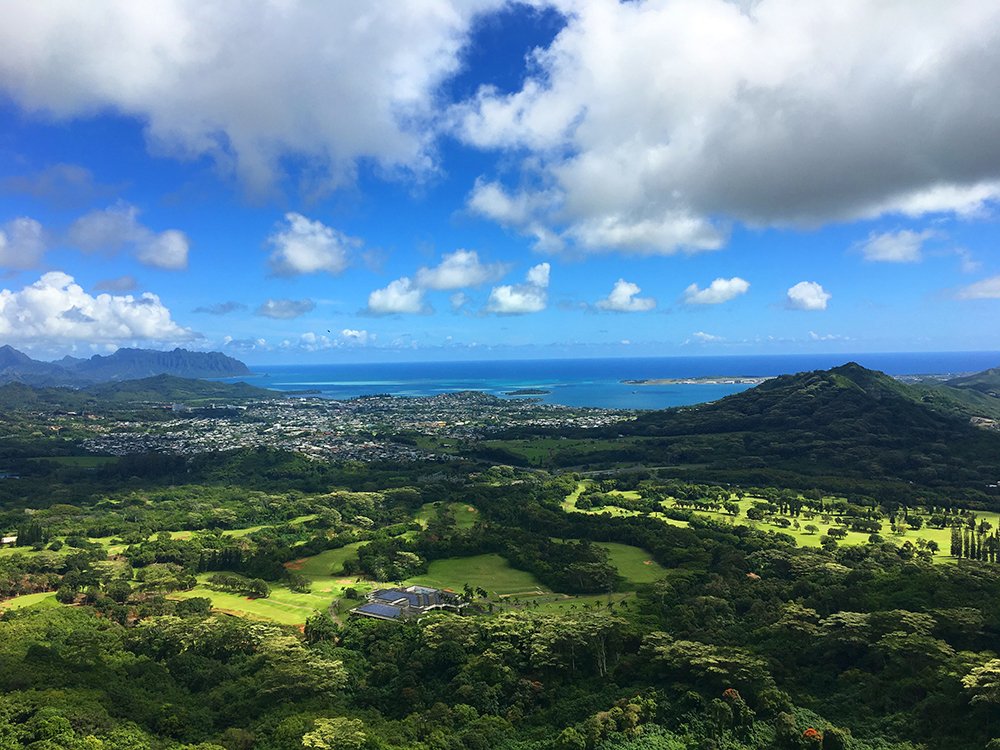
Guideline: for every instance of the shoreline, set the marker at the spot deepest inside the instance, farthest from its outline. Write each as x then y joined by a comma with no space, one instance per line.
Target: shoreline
717,380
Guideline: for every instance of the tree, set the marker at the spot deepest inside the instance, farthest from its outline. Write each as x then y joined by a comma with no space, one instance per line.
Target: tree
984,682
336,734
320,627
811,528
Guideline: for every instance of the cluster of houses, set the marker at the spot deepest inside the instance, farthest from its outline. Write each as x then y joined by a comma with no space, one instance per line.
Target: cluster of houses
407,603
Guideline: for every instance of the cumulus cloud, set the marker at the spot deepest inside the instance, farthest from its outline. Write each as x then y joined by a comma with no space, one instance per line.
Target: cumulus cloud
458,270
221,308
358,337
904,246
519,299
624,298
985,289
285,309
317,342
303,246
331,82
55,309
125,283
807,295
520,211
400,296
22,243
117,228
719,291
650,126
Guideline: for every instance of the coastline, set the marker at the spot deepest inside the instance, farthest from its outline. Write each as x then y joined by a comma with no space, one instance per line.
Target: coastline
721,380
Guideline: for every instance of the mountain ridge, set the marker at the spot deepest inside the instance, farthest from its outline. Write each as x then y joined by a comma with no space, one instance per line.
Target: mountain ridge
124,364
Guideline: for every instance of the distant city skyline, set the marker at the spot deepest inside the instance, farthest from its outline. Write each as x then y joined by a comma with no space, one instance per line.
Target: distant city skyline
428,181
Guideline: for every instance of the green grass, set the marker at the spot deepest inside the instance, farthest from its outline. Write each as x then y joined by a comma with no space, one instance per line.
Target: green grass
633,563
41,599
490,572
272,608
540,449
326,563
465,514
283,605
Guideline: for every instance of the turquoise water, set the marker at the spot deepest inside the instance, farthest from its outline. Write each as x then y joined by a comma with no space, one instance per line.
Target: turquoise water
591,382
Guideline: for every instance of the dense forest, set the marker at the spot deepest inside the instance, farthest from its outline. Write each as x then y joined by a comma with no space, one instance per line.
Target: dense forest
166,601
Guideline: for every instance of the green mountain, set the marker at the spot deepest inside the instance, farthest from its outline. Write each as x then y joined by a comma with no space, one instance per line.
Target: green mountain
847,422
987,382
124,364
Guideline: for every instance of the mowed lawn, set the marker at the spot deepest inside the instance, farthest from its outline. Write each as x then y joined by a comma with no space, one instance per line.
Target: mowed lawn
41,599
634,564
327,563
274,608
490,572
465,514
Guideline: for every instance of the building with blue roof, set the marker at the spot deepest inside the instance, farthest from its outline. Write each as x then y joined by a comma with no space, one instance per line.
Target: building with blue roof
406,603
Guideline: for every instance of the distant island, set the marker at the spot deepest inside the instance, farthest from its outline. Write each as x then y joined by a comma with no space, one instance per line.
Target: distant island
527,392
714,380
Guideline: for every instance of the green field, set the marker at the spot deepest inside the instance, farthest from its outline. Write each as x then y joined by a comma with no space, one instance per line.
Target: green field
490,572
539,449
633,563
801,536
465,515
41,599
326,563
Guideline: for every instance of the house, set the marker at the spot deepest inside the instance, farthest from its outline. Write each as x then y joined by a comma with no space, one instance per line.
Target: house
4,540
406,603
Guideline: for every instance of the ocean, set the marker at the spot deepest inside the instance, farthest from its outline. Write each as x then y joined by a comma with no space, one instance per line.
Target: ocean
592,382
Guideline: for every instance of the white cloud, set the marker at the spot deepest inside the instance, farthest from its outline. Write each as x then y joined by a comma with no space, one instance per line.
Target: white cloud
624,298
303,246
358,337
807,295
400,296
985,289
700,337
650,126
55,309
813,336
117,228
22,243
458,300
458,270
719,291
285,309
332,83
539,275
518,299
904,246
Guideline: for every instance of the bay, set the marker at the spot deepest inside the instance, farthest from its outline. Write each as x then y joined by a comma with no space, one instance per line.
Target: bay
593,382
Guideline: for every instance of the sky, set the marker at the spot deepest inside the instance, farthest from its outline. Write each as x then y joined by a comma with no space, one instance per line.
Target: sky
290,181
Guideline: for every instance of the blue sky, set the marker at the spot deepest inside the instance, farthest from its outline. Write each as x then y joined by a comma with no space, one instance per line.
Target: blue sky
292,181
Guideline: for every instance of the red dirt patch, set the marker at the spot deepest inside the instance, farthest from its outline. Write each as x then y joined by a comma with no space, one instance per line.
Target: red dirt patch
296,564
